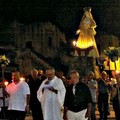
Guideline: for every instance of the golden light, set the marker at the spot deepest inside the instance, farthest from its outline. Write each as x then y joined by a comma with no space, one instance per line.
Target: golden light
84,43
22,79
5,83
109,65
74,43
117,71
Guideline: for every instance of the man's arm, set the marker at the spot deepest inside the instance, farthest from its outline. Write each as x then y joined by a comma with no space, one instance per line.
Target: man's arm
93,85
28,99
27,102
53,90
89,103
88,113
65,113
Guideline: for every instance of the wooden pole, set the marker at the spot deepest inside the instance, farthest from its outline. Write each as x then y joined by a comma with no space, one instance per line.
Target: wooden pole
3,67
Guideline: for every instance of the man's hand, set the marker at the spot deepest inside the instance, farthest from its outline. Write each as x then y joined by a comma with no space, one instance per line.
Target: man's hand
64,118
47,82
88,115
6,94
65,113
27,108
53,90
42,90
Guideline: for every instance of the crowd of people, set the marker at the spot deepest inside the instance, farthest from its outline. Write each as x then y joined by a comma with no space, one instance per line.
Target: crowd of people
50,95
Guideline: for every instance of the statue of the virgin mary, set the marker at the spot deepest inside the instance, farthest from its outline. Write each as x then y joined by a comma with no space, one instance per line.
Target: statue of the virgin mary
86,33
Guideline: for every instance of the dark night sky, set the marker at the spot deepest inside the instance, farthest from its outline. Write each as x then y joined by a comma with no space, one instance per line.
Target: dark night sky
64,13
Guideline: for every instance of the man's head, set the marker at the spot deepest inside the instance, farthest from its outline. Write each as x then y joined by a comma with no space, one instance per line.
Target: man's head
34,73
17,77
40,72
50,73
74,75
59,73
104,75
90,75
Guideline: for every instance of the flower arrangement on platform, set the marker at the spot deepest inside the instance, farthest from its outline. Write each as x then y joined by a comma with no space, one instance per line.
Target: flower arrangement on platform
112,52
4,60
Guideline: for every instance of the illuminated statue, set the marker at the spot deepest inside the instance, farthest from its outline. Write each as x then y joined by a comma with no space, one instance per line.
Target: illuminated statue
86,33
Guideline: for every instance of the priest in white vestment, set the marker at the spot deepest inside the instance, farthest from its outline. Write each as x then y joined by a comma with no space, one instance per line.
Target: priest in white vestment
51,95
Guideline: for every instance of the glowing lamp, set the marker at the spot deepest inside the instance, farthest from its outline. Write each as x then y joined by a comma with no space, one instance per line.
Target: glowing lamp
74,43
22,79
117,71
5,83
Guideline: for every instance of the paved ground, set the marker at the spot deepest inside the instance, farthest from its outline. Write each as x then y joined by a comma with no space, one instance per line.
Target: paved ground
110,117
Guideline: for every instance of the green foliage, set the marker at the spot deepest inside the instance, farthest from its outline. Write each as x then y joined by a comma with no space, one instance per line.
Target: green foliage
112,51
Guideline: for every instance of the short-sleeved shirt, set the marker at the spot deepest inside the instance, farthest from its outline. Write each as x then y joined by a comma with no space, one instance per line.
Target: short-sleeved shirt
18,95
93,90
78,101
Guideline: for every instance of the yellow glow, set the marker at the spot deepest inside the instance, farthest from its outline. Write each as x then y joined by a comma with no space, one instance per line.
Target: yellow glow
86,30
74,43
86,33
5,83
117,71
109,65
84,42
22,79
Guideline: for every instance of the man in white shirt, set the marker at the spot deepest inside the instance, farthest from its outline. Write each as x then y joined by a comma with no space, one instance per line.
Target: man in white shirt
51,95
19,94
93,86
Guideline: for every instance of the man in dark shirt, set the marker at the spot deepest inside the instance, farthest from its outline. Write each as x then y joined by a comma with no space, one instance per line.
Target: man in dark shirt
34,83
77,105
104,87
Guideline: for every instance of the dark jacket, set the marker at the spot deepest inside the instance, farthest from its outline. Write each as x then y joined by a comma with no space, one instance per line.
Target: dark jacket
80,100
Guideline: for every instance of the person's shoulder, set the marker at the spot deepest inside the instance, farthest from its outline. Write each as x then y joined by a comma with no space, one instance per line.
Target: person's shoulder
44,81
94,81
43,77
29,76
100,80
69,86
57,79
10,84
82,85
23,83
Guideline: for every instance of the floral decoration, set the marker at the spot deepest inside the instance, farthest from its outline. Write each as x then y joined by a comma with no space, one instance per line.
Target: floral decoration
112,52
4,60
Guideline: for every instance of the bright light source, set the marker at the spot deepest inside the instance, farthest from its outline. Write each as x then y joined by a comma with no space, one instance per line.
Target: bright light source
74,43
117,71
5,83
22,79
